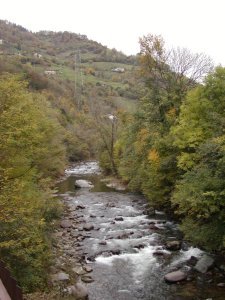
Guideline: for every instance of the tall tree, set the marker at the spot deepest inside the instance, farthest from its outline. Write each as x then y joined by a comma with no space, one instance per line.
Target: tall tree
168,75
31,155
199,134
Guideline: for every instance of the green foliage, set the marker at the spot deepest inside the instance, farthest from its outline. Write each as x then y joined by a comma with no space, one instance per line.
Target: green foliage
207,235
31,154
173,149
199,195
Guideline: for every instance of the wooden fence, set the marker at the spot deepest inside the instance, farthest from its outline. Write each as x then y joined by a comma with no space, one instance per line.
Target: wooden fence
10,283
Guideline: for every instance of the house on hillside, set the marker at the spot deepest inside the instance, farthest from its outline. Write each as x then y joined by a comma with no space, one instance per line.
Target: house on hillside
118,70
37,55
1,42
50,72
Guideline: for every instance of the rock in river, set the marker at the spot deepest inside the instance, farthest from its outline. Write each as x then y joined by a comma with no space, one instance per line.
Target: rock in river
88,227
87,279
175,276
66,224
79,291
119,218
81,183
173,245
204,264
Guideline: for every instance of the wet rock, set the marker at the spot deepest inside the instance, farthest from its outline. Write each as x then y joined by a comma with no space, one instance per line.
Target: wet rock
173,245
137,235
79,291
88,269
221,284
119,218
105,253
143,222
150,211
140,246
66,224
79,270
111,204
112,222
151,223
87,279
74,234
90,258
88,227
81,183
184,246
160,253
192,261
115,252
80,206
161,222
80,238
222,268
175,276
103,243
61,276
58,234
92,216
204,264
123,236
153,227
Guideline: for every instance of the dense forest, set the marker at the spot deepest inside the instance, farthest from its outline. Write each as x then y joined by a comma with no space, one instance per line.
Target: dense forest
155,120
172,148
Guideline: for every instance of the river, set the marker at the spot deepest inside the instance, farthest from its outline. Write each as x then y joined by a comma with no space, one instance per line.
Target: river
126,247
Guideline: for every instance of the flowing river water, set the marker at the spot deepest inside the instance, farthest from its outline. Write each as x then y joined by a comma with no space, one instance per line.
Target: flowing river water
126,246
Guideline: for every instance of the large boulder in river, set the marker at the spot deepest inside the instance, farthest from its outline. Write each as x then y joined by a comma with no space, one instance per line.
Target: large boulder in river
173,245
204,264
175,276
79,291
88,227
81,183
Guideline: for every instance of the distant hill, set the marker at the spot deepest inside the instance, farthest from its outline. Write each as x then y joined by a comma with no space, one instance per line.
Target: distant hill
70,59
78,76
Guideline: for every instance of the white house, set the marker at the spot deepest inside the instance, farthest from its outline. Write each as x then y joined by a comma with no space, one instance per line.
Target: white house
118,70
37,55
49,72
1,42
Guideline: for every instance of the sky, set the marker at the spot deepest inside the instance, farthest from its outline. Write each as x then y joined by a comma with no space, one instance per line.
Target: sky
198,25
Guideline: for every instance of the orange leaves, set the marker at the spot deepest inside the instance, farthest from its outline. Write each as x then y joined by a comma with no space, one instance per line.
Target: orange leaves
171,113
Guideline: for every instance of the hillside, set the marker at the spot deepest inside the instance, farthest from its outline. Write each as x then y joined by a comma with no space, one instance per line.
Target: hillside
75,62
78,76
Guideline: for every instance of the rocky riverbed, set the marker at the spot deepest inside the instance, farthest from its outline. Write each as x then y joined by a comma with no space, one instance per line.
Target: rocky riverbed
112,246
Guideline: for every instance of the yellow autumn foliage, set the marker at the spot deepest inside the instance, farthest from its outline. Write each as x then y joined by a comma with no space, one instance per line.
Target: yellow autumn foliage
171,113
142,137
153,156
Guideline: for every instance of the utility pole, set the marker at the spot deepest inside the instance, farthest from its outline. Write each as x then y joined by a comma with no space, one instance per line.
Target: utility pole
78,80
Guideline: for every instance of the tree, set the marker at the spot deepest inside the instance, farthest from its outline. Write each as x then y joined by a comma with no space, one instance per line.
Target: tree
199,134
31,155
171,70
169,75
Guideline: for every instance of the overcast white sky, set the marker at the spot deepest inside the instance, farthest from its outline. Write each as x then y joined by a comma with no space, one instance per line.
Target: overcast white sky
196,24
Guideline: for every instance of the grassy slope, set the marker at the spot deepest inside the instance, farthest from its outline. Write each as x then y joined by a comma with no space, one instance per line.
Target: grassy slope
58,51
